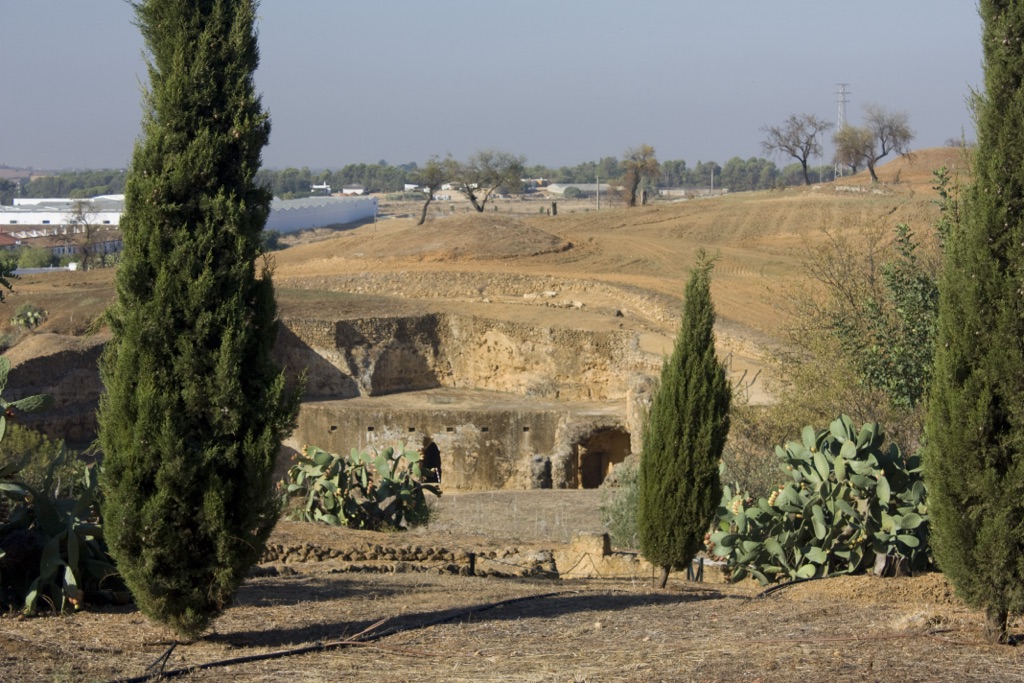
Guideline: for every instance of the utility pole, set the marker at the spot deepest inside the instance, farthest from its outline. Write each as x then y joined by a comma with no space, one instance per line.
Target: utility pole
843,92
597,177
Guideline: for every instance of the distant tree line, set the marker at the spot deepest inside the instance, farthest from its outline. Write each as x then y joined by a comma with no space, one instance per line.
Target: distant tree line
8,191
291,183
738,175
76,184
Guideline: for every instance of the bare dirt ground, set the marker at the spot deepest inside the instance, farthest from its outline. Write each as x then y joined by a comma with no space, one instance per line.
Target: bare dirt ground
421,622
437,624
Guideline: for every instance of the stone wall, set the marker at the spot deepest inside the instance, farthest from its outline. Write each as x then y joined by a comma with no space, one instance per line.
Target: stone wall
487,441
539,406
480,449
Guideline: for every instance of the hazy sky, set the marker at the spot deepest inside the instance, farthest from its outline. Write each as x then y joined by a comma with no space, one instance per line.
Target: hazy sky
560,81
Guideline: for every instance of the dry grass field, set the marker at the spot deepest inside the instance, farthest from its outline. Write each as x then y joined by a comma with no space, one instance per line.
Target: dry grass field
416,620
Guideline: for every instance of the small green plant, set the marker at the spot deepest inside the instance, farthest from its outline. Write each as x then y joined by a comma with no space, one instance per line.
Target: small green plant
364,490
29,317
619,504
29,404
851,504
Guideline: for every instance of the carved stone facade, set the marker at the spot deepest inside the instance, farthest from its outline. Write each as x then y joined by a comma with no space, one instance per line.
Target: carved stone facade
508,405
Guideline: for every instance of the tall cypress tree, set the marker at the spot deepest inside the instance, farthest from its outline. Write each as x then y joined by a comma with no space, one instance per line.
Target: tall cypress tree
974,453
194,409
684,436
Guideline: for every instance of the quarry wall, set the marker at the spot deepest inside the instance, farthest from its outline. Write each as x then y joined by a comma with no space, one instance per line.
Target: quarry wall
381,355
509,405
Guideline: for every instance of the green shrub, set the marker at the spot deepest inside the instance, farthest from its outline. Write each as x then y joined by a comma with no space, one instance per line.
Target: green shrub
619,503
271,240
8,259
365,490
36,257
51,549
36,453
850,505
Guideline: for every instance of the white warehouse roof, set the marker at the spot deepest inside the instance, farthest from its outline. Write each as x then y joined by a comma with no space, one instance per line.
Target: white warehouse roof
286,215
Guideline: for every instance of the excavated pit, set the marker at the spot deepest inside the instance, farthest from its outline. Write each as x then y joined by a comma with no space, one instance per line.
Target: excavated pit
507,404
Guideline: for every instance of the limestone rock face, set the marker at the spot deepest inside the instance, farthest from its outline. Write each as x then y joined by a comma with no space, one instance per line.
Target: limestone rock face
379,356
590,555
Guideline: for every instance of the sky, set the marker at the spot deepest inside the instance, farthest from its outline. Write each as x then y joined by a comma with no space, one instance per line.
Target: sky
559,81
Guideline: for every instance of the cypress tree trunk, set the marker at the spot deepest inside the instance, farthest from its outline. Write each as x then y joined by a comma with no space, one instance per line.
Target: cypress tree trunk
684,435
194,409
975,425
663,579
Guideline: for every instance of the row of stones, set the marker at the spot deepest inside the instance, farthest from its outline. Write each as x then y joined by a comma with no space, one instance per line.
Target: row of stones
309,552
505,562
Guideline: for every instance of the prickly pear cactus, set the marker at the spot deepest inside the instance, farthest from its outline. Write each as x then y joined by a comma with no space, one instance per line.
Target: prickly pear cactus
851,505
364,490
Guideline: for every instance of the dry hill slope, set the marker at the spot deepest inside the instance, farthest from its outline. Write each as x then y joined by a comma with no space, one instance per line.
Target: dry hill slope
617,269
617,256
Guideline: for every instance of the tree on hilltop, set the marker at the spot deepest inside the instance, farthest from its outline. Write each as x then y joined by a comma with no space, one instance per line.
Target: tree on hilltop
638,164
484,172
884,132
799,137
430,178
194,409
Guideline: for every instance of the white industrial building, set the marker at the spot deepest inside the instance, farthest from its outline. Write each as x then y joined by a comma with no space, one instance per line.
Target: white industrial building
32,217
38,217
291,215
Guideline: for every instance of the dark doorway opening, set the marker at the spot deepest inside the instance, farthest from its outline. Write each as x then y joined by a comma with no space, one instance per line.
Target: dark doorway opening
431,470
598,454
